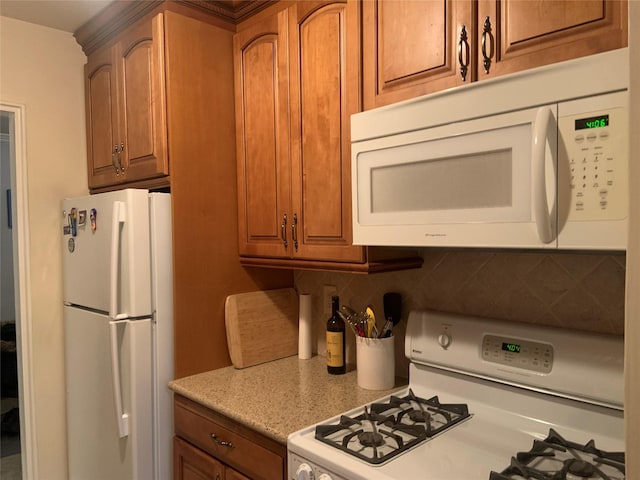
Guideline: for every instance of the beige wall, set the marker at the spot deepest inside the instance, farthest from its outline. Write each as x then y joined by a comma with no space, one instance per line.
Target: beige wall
42,69
632,325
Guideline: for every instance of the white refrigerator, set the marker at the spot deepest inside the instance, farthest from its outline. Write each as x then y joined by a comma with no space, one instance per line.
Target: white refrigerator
118,316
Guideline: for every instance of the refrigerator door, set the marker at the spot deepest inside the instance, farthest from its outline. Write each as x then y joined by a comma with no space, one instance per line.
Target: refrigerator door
109,419
162,331
106,258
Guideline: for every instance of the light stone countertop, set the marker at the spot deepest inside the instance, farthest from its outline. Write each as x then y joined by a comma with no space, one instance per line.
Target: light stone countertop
279,397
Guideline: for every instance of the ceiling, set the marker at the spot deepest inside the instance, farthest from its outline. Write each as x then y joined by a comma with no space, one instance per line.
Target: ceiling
66,15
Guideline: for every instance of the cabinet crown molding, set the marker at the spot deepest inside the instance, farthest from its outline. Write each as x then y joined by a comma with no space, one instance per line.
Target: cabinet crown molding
120,14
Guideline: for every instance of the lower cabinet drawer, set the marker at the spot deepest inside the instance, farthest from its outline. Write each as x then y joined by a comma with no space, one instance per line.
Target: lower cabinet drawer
194,424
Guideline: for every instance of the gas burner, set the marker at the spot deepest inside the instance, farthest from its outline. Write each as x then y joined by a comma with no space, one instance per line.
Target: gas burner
412,410
558,459
371,439
387,429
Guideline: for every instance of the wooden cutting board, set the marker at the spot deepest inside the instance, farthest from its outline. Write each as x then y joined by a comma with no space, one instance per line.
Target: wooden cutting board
261,326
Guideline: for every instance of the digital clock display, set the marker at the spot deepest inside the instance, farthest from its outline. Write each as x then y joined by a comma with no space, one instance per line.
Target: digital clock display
592,122
511,347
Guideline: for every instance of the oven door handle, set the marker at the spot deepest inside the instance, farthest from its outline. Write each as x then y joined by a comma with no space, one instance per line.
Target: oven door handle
543,135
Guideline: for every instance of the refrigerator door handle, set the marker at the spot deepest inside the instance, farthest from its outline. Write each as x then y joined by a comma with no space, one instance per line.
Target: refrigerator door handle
114,287
121,417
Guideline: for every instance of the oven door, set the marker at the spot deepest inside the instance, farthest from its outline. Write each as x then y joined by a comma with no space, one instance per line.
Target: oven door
488,182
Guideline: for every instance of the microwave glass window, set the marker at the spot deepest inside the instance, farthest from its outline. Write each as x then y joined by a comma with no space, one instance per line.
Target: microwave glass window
473,181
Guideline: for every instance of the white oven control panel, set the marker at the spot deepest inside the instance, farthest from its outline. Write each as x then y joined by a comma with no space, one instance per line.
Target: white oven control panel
522,354
534,356
302,469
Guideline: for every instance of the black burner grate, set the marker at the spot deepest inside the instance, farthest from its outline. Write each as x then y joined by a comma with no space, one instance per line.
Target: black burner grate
555,458
387,429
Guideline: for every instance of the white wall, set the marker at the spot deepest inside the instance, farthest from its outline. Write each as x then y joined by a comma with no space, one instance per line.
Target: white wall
42,68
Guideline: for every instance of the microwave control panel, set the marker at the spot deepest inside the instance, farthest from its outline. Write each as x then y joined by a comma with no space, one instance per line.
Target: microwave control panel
534,356
593,162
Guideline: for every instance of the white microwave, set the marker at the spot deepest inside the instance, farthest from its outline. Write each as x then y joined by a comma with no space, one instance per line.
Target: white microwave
537,159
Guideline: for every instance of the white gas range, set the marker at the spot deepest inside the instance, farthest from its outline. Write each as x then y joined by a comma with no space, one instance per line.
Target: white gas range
486,400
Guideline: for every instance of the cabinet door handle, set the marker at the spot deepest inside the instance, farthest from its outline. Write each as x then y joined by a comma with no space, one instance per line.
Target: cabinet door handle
294,231
283,231
222,443
463,53
113,159
120,158
486,33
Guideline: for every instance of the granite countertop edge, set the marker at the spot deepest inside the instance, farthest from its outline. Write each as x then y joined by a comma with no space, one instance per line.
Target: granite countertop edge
279,397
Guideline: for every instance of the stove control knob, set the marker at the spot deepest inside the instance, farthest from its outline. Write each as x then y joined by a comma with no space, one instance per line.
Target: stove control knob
305,472
444,339
325,476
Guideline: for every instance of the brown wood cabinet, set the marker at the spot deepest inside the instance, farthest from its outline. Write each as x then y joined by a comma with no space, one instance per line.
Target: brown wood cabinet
125,107
412,48
297,78
208,445
297,82
191,463
197,57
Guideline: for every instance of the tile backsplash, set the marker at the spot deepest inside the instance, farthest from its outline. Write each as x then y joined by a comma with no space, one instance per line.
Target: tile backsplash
583,291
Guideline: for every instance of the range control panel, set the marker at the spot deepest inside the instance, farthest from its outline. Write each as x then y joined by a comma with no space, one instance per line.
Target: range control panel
534,356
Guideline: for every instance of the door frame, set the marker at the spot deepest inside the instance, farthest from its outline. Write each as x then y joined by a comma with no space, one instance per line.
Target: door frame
21,265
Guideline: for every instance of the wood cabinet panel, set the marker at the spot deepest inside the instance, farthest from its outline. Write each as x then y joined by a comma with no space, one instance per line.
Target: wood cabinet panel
179,63
143,130
204,194
229,443
519,35
297,83
558,16
262,119
101,104
324,85
405,23
412,48
126,112
190,463
233,475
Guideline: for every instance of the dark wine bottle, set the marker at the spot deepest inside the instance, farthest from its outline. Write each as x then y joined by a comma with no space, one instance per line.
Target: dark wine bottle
336,363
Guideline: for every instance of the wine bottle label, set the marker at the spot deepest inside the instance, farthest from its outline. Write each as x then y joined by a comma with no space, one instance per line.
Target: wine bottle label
335,357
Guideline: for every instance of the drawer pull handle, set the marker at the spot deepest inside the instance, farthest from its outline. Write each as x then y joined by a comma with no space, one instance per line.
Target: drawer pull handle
222,443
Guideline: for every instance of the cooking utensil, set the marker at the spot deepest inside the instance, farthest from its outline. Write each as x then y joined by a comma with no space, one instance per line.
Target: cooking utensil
362,323
392,311
371,322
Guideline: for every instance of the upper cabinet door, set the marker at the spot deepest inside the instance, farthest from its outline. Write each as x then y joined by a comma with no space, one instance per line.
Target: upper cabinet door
415,47
126,108
101,111
143,119
325,86
262,133
515,35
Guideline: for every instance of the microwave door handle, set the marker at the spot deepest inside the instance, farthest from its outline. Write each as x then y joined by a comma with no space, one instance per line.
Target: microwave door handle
544,119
